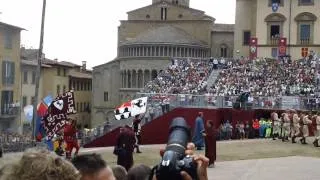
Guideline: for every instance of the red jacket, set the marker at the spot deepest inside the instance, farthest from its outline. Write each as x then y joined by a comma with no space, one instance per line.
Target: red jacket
69,133
256,124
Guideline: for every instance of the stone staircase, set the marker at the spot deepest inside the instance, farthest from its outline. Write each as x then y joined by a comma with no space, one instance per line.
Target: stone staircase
213,77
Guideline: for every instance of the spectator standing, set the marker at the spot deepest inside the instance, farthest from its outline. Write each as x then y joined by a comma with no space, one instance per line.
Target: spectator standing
92,166
119,172
229,129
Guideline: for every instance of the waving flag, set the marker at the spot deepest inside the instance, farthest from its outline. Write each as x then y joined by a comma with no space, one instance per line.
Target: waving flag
58,112
28,112
131,108
48,100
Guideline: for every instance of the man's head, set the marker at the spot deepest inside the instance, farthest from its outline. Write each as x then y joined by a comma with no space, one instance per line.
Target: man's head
139,172
201,114
119,172
92,166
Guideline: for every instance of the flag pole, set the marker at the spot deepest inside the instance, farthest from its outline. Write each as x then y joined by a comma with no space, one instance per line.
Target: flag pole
38,72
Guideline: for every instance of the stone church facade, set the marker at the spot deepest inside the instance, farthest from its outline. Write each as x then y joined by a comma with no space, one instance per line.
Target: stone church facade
147,42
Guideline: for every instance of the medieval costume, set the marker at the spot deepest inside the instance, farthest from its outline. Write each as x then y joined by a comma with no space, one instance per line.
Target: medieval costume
286,127
124,147
136,126
268,129
210,143
256,127
305,129
59,143
198,139
295,131
70,138
317,132
276,125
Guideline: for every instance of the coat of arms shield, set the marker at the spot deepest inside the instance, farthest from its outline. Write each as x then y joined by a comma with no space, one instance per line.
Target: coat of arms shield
275,7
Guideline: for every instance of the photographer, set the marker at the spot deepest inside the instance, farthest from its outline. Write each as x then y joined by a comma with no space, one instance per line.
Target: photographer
201,161
178,161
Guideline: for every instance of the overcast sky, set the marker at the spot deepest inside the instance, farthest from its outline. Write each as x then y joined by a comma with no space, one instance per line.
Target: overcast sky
86,30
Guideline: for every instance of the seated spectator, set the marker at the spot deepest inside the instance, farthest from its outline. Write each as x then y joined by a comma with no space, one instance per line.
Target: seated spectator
38,164
92,166
119,172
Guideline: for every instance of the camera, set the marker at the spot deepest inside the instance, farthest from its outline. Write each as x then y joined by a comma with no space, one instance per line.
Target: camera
174,159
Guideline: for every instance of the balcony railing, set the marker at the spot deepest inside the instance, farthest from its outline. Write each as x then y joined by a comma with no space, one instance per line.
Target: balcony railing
9,111
305,41
259,102
274,40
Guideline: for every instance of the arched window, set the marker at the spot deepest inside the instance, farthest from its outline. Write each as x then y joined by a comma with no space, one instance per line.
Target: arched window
275,27
305,22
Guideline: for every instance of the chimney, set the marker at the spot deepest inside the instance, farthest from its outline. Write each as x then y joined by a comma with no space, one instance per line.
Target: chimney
84,65
55,60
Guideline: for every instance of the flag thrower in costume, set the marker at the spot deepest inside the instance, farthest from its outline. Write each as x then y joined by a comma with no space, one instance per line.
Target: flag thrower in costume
58,113
131,108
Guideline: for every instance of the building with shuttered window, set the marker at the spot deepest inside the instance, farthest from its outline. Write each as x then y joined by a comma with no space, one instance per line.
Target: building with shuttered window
10,81
269,20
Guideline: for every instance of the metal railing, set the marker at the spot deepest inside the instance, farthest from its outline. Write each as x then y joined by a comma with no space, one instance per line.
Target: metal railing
257,102
159,108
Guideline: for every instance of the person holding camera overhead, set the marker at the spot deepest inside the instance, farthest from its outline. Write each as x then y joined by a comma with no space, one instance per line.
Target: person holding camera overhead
198,133
178,158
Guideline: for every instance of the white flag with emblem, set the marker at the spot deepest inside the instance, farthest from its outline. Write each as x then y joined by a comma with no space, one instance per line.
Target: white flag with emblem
131,108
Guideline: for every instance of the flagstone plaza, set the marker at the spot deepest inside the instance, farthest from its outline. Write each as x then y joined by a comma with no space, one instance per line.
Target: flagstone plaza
242,160
246,160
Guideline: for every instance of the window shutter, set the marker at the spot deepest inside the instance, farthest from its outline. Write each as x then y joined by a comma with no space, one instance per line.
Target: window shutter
12,71
304,32
3,72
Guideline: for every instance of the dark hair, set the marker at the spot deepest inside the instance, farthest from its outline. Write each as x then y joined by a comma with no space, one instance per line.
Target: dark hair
119,172
89,163
140,172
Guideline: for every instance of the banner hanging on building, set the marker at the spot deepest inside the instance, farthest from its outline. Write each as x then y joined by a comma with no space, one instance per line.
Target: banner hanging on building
282,46
304,52
253,48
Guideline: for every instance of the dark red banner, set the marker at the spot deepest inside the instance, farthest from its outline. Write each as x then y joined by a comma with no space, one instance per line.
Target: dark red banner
282,46
253,48
304,52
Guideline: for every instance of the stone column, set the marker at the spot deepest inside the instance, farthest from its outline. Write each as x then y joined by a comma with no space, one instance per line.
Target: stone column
159,51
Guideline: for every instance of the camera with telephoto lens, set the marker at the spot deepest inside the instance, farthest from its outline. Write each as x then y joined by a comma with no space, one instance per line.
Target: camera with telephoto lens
174,159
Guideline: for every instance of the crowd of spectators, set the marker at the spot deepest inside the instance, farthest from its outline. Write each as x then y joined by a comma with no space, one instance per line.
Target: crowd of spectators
244,129
38,163
14,142
267,77
182,77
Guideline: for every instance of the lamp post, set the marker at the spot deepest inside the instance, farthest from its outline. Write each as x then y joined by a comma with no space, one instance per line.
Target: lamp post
38,72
